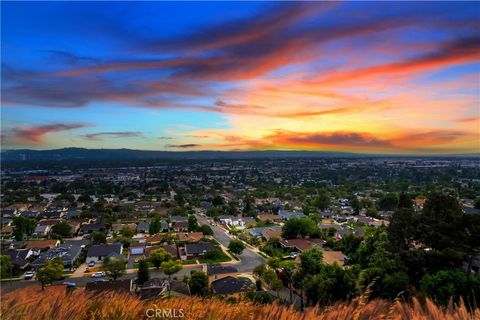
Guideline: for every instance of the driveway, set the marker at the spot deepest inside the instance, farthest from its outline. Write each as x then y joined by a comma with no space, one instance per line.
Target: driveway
131,260
80,271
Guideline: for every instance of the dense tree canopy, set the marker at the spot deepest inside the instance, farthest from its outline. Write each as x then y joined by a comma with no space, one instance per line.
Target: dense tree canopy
300,227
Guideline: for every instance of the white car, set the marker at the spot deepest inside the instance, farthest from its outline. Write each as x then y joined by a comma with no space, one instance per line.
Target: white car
98,274
28,275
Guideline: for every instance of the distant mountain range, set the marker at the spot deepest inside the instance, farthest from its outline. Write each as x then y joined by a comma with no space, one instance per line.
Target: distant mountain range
28,155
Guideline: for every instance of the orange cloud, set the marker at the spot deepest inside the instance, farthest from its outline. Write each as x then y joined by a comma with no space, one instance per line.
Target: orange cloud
35,134
455,52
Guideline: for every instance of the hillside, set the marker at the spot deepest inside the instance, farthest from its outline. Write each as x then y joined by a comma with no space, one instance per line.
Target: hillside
56,303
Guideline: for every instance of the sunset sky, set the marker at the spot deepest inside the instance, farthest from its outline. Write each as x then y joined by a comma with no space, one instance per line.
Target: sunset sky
372,77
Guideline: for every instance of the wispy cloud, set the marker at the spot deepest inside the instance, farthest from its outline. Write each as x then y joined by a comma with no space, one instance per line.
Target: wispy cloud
183,146
113,134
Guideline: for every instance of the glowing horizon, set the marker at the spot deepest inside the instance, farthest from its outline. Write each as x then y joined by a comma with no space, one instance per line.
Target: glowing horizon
372,77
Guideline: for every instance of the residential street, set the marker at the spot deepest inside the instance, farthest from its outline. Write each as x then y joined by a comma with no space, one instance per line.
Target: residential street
81,282
249,259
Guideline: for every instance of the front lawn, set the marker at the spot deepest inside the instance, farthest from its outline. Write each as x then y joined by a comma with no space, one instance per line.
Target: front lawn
218,257
150,265
189,262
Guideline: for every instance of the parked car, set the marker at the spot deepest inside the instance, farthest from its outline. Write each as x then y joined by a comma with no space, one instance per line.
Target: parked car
28,275
98,274
70,285
91,264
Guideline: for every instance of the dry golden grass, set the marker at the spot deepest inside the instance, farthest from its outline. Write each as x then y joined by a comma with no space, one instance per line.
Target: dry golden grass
56,303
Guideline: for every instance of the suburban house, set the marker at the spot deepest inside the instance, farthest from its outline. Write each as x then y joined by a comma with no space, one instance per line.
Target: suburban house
19,257
216,272
72,213
164,226
67,252
9,213
98,253
234,221
190,237
261,232
230,286
42,230
40,245
169,248
330,257
286,215
143,227
300,245
117,227
269,218
180,226
7,231
174,219
271,234
94,227
136,249
56,214
197,250
156,287
75,225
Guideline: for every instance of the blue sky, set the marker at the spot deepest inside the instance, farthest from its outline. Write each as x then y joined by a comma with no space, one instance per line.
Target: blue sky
357,76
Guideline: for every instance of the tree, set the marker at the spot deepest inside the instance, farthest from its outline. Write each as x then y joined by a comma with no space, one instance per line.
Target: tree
22,227
169,268
85,198
143,275
158,256
258,270
127,232
114,267
271,278
476,203
322,201
192,223
51,270
155,225
198,283
404,201
5,266
355,204
332,284
99,237
288,270
304,226
234,231
180,199
236,246
388,202
248,204
206,229
349,244
62,228
451,284
402,228
311,260
217,201
298,281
